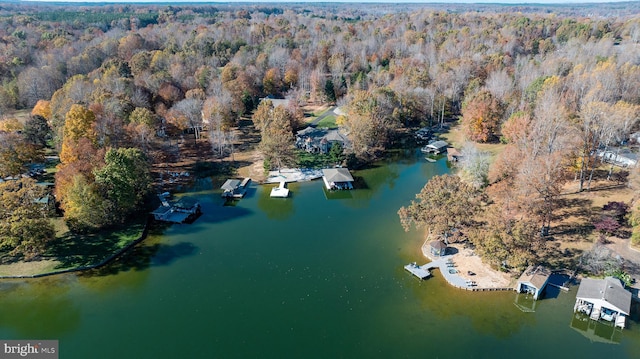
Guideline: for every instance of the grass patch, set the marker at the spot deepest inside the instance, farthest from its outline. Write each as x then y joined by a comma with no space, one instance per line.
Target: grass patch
328,122
70,250
313,160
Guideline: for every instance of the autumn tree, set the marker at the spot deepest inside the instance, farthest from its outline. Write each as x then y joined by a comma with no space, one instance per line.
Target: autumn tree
85,210
446,205
25,229
124,181
276,142
42,108
78,124
37,131
369,121
501,239
16,154
481,116
218,116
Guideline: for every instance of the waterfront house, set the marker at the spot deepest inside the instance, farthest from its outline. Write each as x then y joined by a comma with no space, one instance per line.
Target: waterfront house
604,299
436,147
337,178
438,248
319,140
533,281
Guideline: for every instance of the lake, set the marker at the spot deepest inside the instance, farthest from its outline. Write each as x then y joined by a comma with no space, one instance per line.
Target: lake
317,275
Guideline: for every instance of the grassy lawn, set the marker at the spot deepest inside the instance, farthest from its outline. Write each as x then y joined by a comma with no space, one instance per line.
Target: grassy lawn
328,122
311,160
70,250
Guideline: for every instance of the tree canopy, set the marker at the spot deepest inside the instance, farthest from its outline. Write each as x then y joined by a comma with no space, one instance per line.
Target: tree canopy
446,204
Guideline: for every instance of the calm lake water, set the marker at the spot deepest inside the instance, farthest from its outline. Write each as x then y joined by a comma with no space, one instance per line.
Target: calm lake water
308,276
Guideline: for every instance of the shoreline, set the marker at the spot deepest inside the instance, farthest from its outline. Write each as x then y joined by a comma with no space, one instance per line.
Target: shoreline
465,261
118,253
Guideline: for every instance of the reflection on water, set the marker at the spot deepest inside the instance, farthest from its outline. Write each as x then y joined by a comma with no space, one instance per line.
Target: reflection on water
288,278
596,331
39,309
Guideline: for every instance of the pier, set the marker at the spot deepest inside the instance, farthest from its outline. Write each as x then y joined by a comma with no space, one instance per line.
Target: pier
421,272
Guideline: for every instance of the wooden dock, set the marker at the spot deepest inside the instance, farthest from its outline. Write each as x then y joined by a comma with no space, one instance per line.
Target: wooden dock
421,272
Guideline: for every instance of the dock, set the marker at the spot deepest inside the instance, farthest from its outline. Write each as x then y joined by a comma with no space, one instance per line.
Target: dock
421,272
281,191
235,188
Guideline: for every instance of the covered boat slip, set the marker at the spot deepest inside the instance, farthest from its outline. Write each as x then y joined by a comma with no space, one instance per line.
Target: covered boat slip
235,188
604,299
337,178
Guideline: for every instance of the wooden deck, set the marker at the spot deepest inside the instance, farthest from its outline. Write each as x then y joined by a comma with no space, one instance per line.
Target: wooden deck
421,272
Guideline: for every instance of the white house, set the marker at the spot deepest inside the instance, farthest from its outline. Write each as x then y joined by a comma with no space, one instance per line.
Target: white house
604,299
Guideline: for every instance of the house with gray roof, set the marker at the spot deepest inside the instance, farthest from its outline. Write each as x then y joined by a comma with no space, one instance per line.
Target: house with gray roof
604,299
319,140
337,178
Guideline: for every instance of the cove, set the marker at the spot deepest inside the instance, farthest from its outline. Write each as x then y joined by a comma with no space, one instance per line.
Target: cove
314,275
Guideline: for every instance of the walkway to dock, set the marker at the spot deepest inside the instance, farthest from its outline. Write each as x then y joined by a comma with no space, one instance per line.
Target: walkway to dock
448,268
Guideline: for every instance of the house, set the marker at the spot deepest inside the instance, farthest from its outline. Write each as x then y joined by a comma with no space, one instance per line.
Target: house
619,157
533,281
275,102
435,147
604,299
319,140
438,248
337,178
179,212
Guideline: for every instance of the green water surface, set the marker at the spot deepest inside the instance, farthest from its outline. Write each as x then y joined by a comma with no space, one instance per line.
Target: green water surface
316,275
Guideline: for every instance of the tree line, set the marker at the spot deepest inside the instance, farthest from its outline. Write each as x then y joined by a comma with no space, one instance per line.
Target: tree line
553,87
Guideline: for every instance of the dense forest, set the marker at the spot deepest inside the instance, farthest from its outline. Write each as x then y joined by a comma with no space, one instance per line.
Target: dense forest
109,87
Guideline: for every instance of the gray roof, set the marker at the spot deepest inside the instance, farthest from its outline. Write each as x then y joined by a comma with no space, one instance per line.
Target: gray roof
609,289
438,144
537,276
438,244
337,175
335,135
231,184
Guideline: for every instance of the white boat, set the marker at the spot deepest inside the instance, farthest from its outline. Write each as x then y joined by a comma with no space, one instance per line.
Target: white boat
429,159
281,191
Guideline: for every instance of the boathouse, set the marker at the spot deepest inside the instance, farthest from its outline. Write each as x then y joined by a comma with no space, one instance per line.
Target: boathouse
234,188
533,281
436,147
337,178
184,210
604,299
438,248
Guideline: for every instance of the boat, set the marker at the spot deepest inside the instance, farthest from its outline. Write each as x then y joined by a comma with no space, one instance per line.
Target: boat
429,159
281,191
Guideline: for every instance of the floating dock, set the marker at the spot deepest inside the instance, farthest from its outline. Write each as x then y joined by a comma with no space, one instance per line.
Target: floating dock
281,191
421,272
